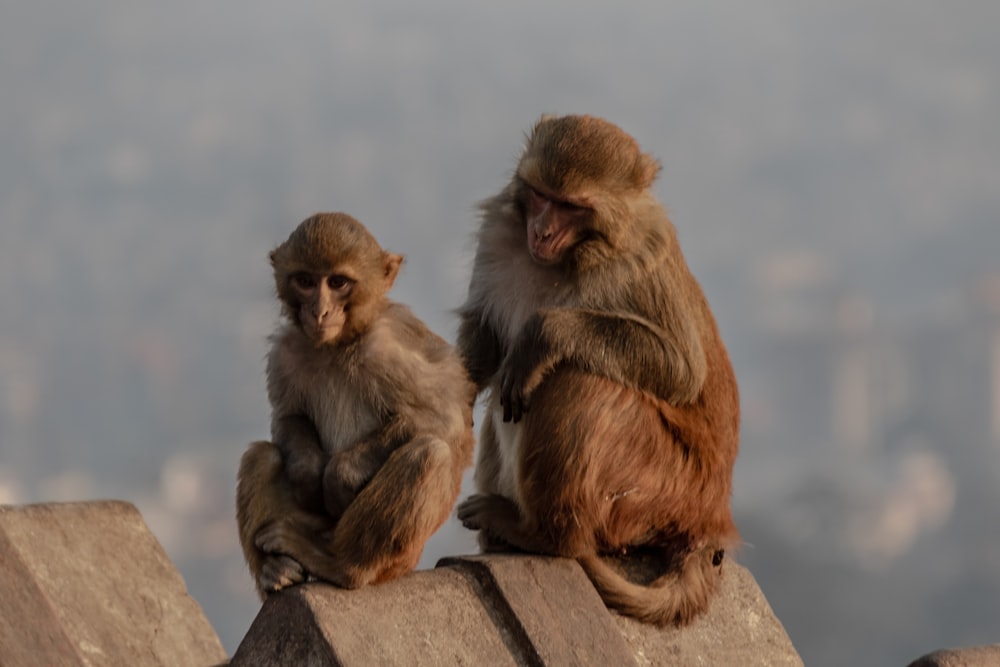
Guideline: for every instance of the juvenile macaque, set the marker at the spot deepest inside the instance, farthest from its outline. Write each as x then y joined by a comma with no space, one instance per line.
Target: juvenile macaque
612,422
371,422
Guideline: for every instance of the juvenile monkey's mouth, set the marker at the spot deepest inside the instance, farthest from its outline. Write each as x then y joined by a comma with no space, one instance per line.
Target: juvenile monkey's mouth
327,334
546,246
322,333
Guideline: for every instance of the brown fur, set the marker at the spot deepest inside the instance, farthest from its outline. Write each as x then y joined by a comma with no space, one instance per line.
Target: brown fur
613,418
371,421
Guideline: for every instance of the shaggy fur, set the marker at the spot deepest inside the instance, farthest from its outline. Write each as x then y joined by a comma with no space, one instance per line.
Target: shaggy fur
371,424
612,420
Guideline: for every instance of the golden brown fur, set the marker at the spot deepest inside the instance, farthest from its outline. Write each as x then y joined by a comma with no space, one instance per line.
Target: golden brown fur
371,420
612,419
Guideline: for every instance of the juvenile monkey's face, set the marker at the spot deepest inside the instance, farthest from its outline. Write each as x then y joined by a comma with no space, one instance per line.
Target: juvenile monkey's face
554,225
323,303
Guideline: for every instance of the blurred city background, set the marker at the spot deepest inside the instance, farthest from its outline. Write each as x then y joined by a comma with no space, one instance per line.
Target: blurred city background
833,170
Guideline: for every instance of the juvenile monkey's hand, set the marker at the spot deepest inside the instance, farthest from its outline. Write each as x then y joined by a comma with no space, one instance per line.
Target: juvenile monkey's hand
346,474
304,466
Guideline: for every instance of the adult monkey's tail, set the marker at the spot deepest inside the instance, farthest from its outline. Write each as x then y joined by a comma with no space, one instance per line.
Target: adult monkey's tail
675,598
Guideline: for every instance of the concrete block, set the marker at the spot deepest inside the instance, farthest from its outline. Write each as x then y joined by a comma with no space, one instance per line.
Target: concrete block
429,618
552,605
504,609
739,629
88,584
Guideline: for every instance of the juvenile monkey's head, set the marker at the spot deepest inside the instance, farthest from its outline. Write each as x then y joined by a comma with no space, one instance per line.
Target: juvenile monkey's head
332,276
574,182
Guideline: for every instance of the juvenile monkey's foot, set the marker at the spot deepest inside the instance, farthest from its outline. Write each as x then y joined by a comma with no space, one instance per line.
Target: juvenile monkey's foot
280,571
279,568
276,538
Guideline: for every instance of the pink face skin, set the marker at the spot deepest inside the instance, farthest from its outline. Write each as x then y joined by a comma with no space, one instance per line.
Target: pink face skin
553,226
323,303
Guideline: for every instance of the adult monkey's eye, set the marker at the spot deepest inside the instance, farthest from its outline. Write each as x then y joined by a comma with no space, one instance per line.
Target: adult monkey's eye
538,196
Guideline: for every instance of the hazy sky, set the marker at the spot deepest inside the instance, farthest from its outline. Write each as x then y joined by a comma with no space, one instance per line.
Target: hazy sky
151,155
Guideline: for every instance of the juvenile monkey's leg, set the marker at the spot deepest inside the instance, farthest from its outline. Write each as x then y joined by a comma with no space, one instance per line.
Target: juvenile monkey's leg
262,496
407,500
383,531
286,544
350,469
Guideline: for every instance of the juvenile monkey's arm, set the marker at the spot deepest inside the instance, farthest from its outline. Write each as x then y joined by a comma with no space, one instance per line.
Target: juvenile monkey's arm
349,470
304,459
623,348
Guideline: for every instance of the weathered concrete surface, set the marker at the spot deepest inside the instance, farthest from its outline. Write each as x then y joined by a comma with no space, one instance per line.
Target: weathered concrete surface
739,629
553,604
976,656
88,584
427,618
504,610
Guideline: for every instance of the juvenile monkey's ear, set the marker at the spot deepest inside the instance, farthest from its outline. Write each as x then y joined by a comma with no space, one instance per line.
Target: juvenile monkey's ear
391,268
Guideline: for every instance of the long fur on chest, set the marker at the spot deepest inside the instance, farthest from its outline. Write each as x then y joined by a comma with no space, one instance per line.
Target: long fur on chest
333,388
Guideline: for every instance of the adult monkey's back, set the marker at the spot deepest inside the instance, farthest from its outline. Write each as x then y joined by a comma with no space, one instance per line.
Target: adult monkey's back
612,422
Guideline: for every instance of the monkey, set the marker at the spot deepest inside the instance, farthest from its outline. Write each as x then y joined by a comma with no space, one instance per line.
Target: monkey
612,413
371,420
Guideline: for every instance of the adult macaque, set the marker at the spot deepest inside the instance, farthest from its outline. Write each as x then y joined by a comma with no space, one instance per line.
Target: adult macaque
612,422
371,421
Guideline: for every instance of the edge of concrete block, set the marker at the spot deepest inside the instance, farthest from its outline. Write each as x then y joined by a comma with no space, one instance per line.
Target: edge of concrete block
101,584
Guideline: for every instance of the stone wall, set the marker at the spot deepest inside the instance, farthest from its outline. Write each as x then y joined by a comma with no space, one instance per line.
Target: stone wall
88,584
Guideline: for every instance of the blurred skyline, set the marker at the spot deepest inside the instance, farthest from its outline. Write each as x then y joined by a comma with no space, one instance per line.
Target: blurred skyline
833,171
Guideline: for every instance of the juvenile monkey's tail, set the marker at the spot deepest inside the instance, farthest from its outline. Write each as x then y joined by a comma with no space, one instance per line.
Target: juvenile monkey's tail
676,598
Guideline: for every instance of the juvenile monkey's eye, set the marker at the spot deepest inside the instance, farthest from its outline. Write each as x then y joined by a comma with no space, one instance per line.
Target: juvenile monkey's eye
338,282
303,281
